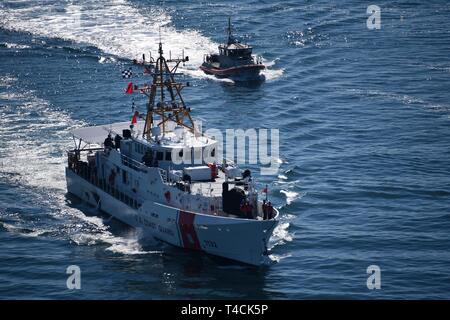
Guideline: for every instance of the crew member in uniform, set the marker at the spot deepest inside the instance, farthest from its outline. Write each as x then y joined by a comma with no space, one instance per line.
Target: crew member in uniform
108,143
117,140
147,159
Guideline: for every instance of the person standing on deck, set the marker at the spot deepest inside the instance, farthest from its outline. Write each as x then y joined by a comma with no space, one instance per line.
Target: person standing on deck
108,143
117,140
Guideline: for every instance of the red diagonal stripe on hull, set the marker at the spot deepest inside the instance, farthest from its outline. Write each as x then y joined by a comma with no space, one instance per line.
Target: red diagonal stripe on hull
187,230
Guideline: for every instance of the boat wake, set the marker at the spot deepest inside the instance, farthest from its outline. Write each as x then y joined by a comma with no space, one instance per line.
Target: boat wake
24,117
24,231
127,244
403,99
36,167
10,45
115,27
270,73
280,236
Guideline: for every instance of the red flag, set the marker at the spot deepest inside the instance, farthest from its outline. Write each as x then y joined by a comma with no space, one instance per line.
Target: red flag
266,191
134,119
129,88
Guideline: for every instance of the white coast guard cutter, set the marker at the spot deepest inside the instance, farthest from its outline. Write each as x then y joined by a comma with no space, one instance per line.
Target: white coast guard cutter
162,176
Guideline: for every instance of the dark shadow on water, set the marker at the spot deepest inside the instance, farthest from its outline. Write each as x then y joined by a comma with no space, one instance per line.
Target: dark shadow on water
243,93
181,274
249,84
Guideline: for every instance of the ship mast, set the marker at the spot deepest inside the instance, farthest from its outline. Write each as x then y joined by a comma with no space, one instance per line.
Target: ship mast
230,37
173,109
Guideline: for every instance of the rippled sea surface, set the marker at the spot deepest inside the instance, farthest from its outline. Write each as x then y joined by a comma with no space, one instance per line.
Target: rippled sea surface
364,120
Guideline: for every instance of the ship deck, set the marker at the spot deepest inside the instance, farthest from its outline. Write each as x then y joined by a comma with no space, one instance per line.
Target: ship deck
210,188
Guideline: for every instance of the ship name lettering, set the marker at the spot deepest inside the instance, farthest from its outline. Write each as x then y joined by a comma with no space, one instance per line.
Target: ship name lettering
165,230
210,243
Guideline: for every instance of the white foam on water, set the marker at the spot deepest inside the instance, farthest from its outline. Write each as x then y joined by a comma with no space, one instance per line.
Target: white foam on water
6,81
14,45
271,74
89,230
200,74
9,95
107,59
404,99
130,247
116,27
20,229
36,233
281,233
40,163
278,257
10,227
291,196
95,232
286,184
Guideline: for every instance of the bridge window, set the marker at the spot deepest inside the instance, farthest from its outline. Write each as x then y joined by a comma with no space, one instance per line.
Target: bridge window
168,156
159,155
139,148
124,177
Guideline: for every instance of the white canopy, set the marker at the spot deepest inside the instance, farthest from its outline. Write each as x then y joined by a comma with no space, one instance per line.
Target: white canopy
97,134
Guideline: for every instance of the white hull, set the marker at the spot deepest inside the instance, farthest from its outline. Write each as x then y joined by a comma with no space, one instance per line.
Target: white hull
244,240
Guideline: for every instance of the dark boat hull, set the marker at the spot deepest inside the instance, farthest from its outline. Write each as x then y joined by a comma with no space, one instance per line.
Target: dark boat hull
238,73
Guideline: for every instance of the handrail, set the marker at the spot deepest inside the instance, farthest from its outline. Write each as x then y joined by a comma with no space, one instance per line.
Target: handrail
85,150
135,200
132,163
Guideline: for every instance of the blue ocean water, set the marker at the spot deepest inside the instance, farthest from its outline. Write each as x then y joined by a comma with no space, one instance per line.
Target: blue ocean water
364,120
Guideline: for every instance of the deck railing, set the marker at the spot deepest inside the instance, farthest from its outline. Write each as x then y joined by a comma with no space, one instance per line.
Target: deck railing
133,164
89,173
